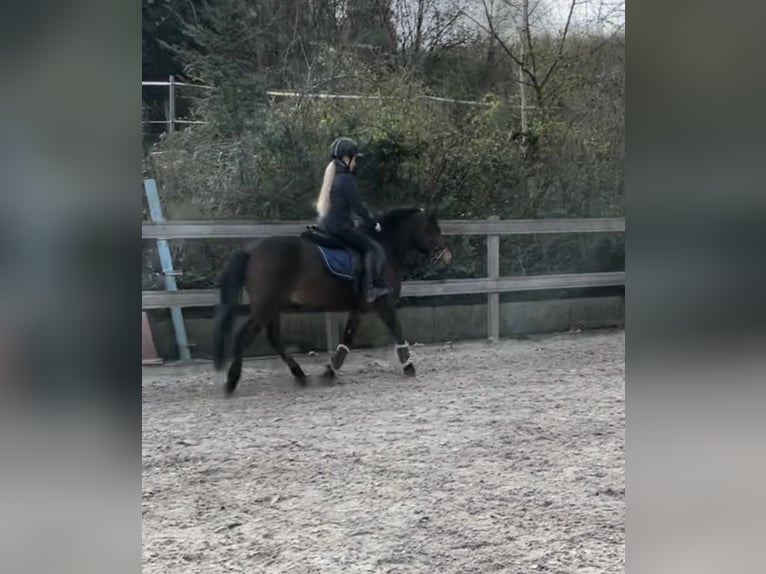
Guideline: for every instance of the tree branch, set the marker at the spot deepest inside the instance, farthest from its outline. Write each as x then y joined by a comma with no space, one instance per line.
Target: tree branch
436,31
527,36
491,30
560,52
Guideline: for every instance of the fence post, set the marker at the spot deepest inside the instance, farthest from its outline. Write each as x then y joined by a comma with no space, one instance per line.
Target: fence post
171,105
155,211
493,272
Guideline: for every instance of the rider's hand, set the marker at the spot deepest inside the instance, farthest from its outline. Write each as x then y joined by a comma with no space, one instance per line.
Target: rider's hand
377,227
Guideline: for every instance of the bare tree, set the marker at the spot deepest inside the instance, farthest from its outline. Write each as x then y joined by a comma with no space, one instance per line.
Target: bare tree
525,35
507,22
429,25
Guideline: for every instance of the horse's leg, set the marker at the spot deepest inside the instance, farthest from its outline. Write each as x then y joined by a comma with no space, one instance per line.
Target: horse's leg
272,332
349,332
344,348
245,335
386,309
242,339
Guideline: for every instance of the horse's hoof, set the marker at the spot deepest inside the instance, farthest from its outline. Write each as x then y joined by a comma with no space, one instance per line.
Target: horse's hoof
224,382
298,373
302,380
409,370
231,383
339,357
329,373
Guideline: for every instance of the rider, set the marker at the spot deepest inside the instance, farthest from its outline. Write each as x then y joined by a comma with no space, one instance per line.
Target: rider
339,203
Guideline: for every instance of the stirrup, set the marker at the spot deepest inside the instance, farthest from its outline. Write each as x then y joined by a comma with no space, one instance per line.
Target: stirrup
373,293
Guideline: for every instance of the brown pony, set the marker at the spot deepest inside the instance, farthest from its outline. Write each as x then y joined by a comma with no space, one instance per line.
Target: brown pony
286,272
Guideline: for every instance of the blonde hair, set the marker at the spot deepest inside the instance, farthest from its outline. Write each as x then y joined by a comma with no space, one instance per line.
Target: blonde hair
323,202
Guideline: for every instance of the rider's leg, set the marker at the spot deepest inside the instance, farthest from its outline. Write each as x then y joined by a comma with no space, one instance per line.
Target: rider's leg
375,259
367,248
380,261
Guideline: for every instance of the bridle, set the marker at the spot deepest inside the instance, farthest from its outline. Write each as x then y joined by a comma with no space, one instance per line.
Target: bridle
437,257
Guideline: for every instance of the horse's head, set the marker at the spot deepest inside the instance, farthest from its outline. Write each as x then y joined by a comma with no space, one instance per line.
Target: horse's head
428,238
412,229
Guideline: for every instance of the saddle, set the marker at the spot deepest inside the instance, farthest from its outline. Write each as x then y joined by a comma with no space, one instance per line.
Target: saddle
316,235
339,258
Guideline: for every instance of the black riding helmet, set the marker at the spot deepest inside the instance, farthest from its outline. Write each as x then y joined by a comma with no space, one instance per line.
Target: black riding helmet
344,147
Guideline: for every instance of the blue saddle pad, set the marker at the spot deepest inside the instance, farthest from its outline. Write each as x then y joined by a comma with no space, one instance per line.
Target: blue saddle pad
339,262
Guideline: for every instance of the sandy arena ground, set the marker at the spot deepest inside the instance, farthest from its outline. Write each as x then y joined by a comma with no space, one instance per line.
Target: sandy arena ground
497,457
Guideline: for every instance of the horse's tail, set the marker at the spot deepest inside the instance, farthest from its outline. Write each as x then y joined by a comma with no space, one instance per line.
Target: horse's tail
231,282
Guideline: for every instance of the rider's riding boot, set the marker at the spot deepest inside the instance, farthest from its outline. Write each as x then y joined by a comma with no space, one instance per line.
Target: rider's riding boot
372,291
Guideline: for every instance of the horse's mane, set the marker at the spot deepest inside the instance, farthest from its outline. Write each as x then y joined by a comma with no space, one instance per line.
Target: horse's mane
393,218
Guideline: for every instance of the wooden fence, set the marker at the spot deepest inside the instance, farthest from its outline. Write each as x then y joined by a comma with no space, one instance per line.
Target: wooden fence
492,285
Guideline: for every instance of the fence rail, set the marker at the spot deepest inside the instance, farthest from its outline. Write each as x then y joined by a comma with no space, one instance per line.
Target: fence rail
209,297
492,285
240,229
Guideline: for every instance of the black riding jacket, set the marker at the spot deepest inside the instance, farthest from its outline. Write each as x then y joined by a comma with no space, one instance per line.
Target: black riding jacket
344,202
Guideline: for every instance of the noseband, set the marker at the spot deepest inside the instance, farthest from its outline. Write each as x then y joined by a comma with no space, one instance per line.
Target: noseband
437,257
